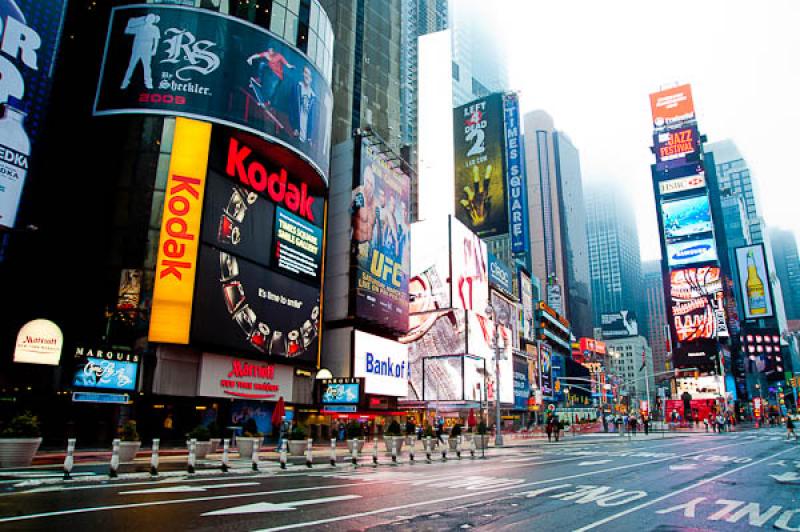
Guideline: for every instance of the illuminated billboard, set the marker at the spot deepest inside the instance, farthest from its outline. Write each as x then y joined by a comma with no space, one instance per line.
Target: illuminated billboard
697,306
622,324
672,106
381,240
515,175
179,61
31,30
695,251
469,269
480,184
676,144
682,184
686,217
526,299
382,363
754,282
429,285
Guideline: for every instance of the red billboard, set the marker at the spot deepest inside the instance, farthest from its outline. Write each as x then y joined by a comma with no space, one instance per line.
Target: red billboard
672,106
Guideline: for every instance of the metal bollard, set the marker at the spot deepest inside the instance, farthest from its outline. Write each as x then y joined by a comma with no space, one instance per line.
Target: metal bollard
458,446
375,452
446,439
472,447
68,459
114,467
192,444
411,450
354,452
333,452
309,454
225,444
255,454
428,449
154,457
394,451
283,445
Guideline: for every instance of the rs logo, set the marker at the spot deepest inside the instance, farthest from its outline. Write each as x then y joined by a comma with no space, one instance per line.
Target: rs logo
383,267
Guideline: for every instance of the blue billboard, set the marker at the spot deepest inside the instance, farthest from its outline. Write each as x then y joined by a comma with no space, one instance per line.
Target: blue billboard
340,394
515,175
500,275
107,374
522,389
31,30
686,217
692,251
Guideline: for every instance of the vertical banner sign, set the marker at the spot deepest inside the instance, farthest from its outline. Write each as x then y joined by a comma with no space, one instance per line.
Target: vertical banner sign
480,195
31,30
515,176
754,282
171,315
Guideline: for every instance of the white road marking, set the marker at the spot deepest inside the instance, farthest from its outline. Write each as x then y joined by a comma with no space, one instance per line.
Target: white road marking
482,492
182,488
593,462
677,492
790,477
261,507
682,467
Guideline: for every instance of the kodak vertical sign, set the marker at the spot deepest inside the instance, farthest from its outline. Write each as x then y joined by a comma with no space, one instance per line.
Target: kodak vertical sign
180,228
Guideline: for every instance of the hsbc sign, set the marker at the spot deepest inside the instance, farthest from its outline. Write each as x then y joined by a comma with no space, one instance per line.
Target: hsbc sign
682,184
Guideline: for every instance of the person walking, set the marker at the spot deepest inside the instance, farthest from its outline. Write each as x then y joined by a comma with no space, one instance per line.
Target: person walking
646,424
790,428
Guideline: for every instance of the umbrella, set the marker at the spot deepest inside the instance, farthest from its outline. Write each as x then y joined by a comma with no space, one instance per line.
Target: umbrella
471,420
279,412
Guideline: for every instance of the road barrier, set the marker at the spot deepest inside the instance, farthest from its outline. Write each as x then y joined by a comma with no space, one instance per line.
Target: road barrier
114,466
68,459
458,447
375,452
282,444
428,449
354,453
309,453
225,464
192,444
411,449
333,452
154,457
446,440
255,454
394,451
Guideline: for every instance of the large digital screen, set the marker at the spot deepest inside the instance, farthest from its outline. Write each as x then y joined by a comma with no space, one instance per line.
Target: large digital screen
754,282
676,144
672,106
30,44
480,184
507,315
429,285
526,299
469,269
622,324
180,61
695,251
381,240
686,217
341,393
91,372
480,342
382,363
698,310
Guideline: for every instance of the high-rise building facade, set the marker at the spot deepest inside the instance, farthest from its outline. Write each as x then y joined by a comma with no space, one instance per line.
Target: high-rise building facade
787,268
655,317
631,361
479,67
366,68
614,262
734,177
558,240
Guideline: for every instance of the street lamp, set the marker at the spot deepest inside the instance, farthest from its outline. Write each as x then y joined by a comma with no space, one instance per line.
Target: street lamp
498,435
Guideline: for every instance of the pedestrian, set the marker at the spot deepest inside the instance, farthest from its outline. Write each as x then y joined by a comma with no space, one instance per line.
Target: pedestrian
634,424
439,430
646,424
705,422
559,426
720,423
790,428
548,427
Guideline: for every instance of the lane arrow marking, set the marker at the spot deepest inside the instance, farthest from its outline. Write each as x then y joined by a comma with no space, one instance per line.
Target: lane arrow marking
790,477
260,507
183,488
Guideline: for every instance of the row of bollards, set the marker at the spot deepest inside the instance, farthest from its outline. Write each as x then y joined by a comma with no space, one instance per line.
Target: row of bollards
113,471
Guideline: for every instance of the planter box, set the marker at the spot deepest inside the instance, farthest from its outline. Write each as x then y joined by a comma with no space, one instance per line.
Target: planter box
399,440
128,450
297,447
481,441
358,444
246,446
201,450
214,445
453,442
18,452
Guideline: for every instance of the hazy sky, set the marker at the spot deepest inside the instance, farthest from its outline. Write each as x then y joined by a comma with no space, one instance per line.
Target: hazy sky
592,65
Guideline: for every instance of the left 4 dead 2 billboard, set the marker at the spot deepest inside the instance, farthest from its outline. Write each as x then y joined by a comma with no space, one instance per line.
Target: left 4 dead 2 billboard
180,61
480,196
30,33
381,240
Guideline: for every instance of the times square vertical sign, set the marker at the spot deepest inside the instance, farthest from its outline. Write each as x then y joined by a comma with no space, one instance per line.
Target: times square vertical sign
31,30
517,196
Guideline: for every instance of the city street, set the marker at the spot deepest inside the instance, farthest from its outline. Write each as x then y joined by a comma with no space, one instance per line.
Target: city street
729,481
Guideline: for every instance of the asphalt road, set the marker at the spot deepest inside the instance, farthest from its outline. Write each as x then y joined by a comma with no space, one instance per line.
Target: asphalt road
732,481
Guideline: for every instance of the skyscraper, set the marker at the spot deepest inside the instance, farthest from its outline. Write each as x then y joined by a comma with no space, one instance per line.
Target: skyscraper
614,262
366,72
479,67
655,316
787,268
733,176
559,255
